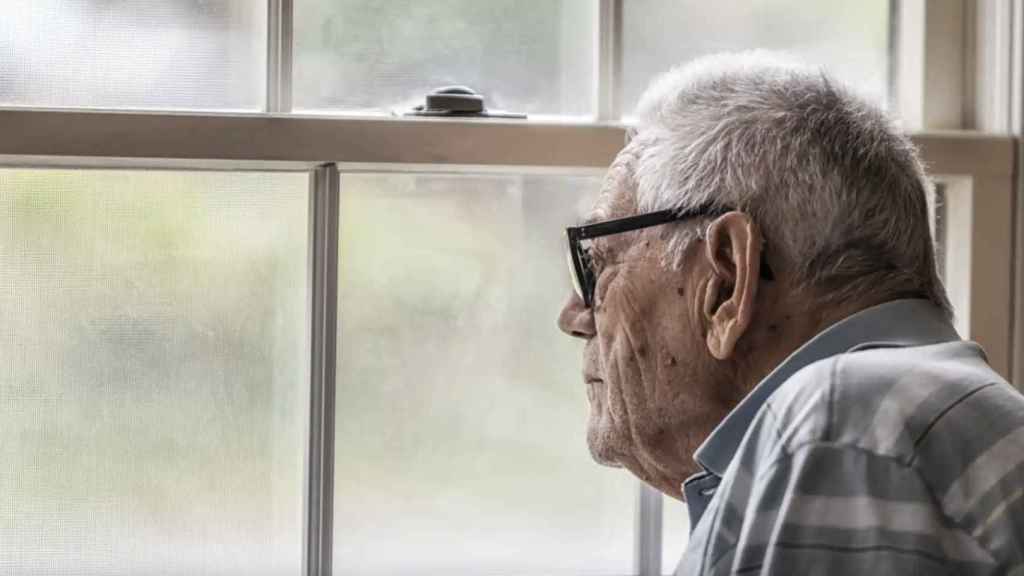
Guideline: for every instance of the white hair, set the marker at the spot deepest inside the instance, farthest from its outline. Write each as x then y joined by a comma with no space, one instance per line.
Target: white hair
837,189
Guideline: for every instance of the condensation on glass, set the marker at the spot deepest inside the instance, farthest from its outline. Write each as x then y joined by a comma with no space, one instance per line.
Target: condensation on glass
153,372
372,56
848,39
150,54
461,412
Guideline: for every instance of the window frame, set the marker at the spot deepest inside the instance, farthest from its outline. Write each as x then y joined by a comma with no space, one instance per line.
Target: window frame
981,169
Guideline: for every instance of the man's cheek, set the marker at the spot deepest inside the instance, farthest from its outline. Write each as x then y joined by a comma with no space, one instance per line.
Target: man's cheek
623,382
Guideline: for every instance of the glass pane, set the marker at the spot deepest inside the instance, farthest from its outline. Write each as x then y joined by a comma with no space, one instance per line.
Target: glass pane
461,416
675,533
383,55
850,39
154,385
155,54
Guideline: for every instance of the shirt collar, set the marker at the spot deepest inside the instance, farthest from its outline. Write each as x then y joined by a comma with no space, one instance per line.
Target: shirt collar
896,323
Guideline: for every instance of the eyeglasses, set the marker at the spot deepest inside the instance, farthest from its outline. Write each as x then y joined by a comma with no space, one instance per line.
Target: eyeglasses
584,278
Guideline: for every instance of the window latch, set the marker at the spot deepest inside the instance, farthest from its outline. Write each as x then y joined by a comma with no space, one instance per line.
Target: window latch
458,101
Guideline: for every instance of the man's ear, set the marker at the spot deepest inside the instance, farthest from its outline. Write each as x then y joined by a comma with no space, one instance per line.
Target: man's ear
733,252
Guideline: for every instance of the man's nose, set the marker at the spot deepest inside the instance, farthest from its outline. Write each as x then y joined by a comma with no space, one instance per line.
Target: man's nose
576,319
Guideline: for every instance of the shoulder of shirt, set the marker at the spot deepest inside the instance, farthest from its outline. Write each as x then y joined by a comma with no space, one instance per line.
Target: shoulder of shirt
884,400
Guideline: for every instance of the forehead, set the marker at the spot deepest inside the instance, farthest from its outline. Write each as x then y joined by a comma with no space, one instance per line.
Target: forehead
618,190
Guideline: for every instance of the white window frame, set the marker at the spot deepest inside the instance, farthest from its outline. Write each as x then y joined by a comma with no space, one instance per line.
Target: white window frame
966,51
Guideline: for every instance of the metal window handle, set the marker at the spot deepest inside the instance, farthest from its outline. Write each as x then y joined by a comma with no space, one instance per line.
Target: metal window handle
455,99
458,101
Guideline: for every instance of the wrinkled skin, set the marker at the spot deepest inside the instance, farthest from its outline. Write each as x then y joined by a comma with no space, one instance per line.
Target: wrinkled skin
670,351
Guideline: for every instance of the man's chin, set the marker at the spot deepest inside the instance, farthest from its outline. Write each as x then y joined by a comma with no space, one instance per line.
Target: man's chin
601,449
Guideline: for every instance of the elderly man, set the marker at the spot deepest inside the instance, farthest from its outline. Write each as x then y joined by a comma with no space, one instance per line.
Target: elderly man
766,337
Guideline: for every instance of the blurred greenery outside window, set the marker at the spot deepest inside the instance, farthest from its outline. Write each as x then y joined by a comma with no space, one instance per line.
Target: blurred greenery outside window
155,321
153,393
371,56
460,409
849,40
134,54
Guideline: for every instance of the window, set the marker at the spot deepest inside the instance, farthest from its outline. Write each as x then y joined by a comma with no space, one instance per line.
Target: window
850,39
194,54
366,55
155,384
323,340
442,439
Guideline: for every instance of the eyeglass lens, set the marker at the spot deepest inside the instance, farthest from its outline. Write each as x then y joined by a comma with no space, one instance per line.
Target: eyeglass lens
572,273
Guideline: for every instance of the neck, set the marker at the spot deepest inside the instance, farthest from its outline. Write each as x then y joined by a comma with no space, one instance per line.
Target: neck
779,329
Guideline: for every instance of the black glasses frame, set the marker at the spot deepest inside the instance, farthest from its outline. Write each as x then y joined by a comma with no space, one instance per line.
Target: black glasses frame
584,280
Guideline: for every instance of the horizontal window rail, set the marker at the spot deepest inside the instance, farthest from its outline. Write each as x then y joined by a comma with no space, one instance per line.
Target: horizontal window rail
305,139
312,140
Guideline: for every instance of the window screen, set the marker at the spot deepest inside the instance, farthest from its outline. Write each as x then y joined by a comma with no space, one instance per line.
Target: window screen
368,55
185,54
850,39
460,407
154,380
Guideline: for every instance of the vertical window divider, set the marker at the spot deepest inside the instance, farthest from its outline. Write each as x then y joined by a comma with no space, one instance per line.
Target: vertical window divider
1016,63
989,60
318,536
1017,130
279,56
608,79
933,60
893,76
647,550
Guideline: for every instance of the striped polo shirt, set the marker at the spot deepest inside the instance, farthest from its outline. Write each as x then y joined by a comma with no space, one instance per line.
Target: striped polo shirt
884,445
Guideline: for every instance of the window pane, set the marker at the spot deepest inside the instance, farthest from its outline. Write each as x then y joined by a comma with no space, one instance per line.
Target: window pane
190,54
850,39
461,412
374,55
154,385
